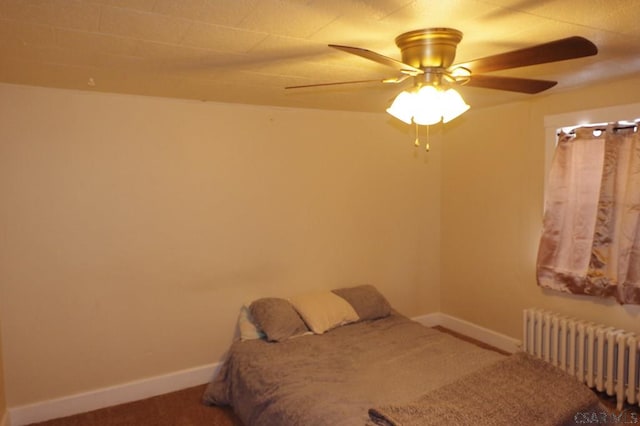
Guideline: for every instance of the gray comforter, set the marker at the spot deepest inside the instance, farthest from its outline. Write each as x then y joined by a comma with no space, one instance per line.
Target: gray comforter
335,378
407,374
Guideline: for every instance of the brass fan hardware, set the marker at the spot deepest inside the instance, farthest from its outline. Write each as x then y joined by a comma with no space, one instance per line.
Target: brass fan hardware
430,48
428,57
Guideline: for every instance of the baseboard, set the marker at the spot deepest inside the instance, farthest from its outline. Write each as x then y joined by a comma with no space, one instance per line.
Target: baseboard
485,335
429,320
113,395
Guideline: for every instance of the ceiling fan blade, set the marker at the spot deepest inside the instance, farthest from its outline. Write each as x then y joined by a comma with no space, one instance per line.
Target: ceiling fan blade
559,50
512,84
381,59
393,80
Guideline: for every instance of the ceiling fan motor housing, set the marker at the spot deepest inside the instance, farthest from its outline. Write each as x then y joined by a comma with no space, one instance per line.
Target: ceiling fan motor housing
429,48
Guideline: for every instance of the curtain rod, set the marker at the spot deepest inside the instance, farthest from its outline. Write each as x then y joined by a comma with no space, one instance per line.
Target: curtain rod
602,128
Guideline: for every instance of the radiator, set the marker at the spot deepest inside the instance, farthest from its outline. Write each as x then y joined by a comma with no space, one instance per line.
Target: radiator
604,358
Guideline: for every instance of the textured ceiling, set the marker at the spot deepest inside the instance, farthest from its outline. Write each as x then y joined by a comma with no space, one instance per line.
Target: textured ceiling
247,51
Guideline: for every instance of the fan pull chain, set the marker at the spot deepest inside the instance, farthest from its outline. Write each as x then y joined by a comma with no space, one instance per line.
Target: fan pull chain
426,147
417,141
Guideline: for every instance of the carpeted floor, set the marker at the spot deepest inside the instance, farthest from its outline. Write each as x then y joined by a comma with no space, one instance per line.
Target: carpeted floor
181,408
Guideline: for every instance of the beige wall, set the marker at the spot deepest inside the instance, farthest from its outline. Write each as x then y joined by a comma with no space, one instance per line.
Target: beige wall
134,228
492,204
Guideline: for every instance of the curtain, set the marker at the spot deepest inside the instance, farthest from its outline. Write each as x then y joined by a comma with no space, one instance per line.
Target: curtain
590,242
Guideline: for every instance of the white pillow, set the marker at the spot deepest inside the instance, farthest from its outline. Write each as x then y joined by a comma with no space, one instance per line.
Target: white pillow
323,310
246,326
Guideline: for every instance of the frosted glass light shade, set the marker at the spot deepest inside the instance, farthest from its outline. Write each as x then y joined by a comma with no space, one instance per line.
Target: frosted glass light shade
452,105
402,107
427,106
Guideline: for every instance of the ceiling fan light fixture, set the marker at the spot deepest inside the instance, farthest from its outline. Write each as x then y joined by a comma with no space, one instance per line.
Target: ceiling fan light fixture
427,106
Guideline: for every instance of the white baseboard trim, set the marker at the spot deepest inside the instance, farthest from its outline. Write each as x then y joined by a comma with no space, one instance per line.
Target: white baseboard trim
485,335
429,320
146,388
113,395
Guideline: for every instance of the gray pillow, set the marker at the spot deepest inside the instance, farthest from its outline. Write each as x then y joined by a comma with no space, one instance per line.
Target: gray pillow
277,319
366,300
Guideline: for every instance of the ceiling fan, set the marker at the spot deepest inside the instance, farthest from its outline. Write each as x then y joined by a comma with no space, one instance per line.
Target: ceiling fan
428,56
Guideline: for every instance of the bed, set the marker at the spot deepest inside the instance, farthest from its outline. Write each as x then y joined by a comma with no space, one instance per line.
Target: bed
373,366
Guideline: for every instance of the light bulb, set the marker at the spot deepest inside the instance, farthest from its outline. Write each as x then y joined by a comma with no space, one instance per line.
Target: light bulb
427,108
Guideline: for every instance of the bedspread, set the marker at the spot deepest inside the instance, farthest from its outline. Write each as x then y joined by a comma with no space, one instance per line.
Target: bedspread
519,390
335,378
